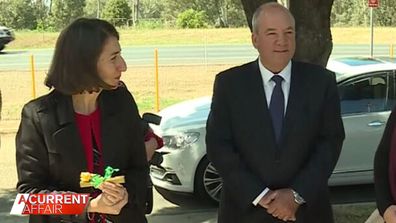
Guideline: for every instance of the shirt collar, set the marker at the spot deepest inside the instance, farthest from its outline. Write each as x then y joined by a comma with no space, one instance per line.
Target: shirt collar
267,74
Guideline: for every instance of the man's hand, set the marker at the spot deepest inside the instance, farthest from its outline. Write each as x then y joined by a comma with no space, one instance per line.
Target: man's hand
280,204
390,214
267,199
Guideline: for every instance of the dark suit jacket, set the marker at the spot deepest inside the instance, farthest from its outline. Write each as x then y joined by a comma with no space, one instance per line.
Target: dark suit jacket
241,143
50,154
381,167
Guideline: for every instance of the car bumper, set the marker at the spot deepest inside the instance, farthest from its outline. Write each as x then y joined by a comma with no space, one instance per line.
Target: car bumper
5,40
177,171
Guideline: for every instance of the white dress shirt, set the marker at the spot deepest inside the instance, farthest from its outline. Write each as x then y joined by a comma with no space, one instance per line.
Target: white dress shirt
269,86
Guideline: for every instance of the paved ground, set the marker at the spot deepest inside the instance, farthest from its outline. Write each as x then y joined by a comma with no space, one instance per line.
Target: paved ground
181,208
170,208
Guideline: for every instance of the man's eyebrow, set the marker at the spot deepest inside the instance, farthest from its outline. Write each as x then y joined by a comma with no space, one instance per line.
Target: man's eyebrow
273,29
270,29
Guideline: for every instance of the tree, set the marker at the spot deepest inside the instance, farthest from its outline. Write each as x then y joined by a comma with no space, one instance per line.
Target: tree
191,19
357,13
117,11
64,12
150,9
385,13
314,40
313,35
234,13
93,8
217,12
19,14
342,12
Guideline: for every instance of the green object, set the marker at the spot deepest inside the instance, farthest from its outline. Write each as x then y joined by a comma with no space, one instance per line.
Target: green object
97,179
109,172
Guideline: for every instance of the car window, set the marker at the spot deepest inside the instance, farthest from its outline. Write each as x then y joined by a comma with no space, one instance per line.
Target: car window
367,94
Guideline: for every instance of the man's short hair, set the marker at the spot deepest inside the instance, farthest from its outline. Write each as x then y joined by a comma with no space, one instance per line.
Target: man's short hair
259,11
74,65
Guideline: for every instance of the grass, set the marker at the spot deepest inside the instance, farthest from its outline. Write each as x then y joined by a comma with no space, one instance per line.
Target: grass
176,84
141,37
353,213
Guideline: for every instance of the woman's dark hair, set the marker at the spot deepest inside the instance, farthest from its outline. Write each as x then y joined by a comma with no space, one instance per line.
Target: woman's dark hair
74,65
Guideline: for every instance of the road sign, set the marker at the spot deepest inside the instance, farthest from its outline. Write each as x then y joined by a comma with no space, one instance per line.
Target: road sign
373,3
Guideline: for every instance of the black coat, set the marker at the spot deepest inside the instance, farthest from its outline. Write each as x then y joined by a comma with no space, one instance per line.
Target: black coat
241,143
381,167
50,154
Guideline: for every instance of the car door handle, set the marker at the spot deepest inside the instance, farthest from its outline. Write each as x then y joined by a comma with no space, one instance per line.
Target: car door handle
376,123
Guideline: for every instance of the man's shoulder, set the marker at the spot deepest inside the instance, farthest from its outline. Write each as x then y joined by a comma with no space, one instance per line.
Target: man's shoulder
312,71
238,71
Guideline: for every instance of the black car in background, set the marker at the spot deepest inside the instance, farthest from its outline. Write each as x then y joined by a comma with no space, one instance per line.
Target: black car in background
6,36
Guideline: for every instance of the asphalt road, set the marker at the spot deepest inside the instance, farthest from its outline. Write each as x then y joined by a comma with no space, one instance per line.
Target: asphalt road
174,55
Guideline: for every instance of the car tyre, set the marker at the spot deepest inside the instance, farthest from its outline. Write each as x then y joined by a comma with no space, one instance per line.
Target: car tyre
208,183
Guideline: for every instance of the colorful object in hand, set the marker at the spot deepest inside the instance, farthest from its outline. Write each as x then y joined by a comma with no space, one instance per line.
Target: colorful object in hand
95,180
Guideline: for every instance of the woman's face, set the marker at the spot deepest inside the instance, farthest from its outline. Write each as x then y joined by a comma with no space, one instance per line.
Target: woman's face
110,63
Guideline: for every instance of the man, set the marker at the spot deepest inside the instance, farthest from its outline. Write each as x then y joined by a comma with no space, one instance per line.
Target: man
275,131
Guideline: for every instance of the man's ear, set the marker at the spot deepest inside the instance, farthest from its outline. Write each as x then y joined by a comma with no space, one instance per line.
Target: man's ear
254,40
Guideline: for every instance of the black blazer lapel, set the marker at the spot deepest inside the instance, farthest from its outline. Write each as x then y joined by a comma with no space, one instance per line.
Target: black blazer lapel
112,131
66,138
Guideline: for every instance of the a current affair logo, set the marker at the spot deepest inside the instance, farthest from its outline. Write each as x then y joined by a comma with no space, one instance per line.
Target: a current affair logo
49,204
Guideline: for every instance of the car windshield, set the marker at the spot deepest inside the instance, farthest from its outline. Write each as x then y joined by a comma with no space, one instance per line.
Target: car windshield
388,59
359,61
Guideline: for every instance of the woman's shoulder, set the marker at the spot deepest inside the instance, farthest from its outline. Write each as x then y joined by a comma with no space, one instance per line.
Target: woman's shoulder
42,102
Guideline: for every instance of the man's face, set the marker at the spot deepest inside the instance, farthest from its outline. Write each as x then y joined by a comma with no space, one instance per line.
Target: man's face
275,39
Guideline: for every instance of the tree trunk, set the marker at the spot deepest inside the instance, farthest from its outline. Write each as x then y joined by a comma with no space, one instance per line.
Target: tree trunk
249,6
313,35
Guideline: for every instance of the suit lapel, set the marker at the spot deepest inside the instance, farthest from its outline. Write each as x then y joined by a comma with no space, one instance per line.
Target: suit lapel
294,105
66,137
260,110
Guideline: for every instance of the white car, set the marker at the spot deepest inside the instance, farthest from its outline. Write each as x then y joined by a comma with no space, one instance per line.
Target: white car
367,89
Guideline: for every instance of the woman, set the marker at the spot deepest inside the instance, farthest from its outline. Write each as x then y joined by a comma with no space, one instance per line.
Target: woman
87,122
385,171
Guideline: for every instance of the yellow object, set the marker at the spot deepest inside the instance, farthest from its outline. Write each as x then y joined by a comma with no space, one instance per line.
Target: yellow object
33,76
85,177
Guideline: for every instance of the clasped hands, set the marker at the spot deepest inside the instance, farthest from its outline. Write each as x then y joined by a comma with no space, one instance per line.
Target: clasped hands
280,204
113,198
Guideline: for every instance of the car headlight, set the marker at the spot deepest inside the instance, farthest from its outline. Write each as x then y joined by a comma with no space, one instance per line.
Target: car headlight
180,140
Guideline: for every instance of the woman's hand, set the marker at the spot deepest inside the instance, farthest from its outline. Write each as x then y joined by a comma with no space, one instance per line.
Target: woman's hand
390,214
151,145
112,199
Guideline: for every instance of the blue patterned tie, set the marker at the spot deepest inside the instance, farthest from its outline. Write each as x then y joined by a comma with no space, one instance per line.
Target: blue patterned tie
277,107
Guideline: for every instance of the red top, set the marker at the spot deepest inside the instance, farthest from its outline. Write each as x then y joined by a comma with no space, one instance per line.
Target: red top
150,134
87,124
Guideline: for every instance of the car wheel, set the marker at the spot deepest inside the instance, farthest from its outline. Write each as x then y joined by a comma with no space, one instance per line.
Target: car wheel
208,183
1,47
